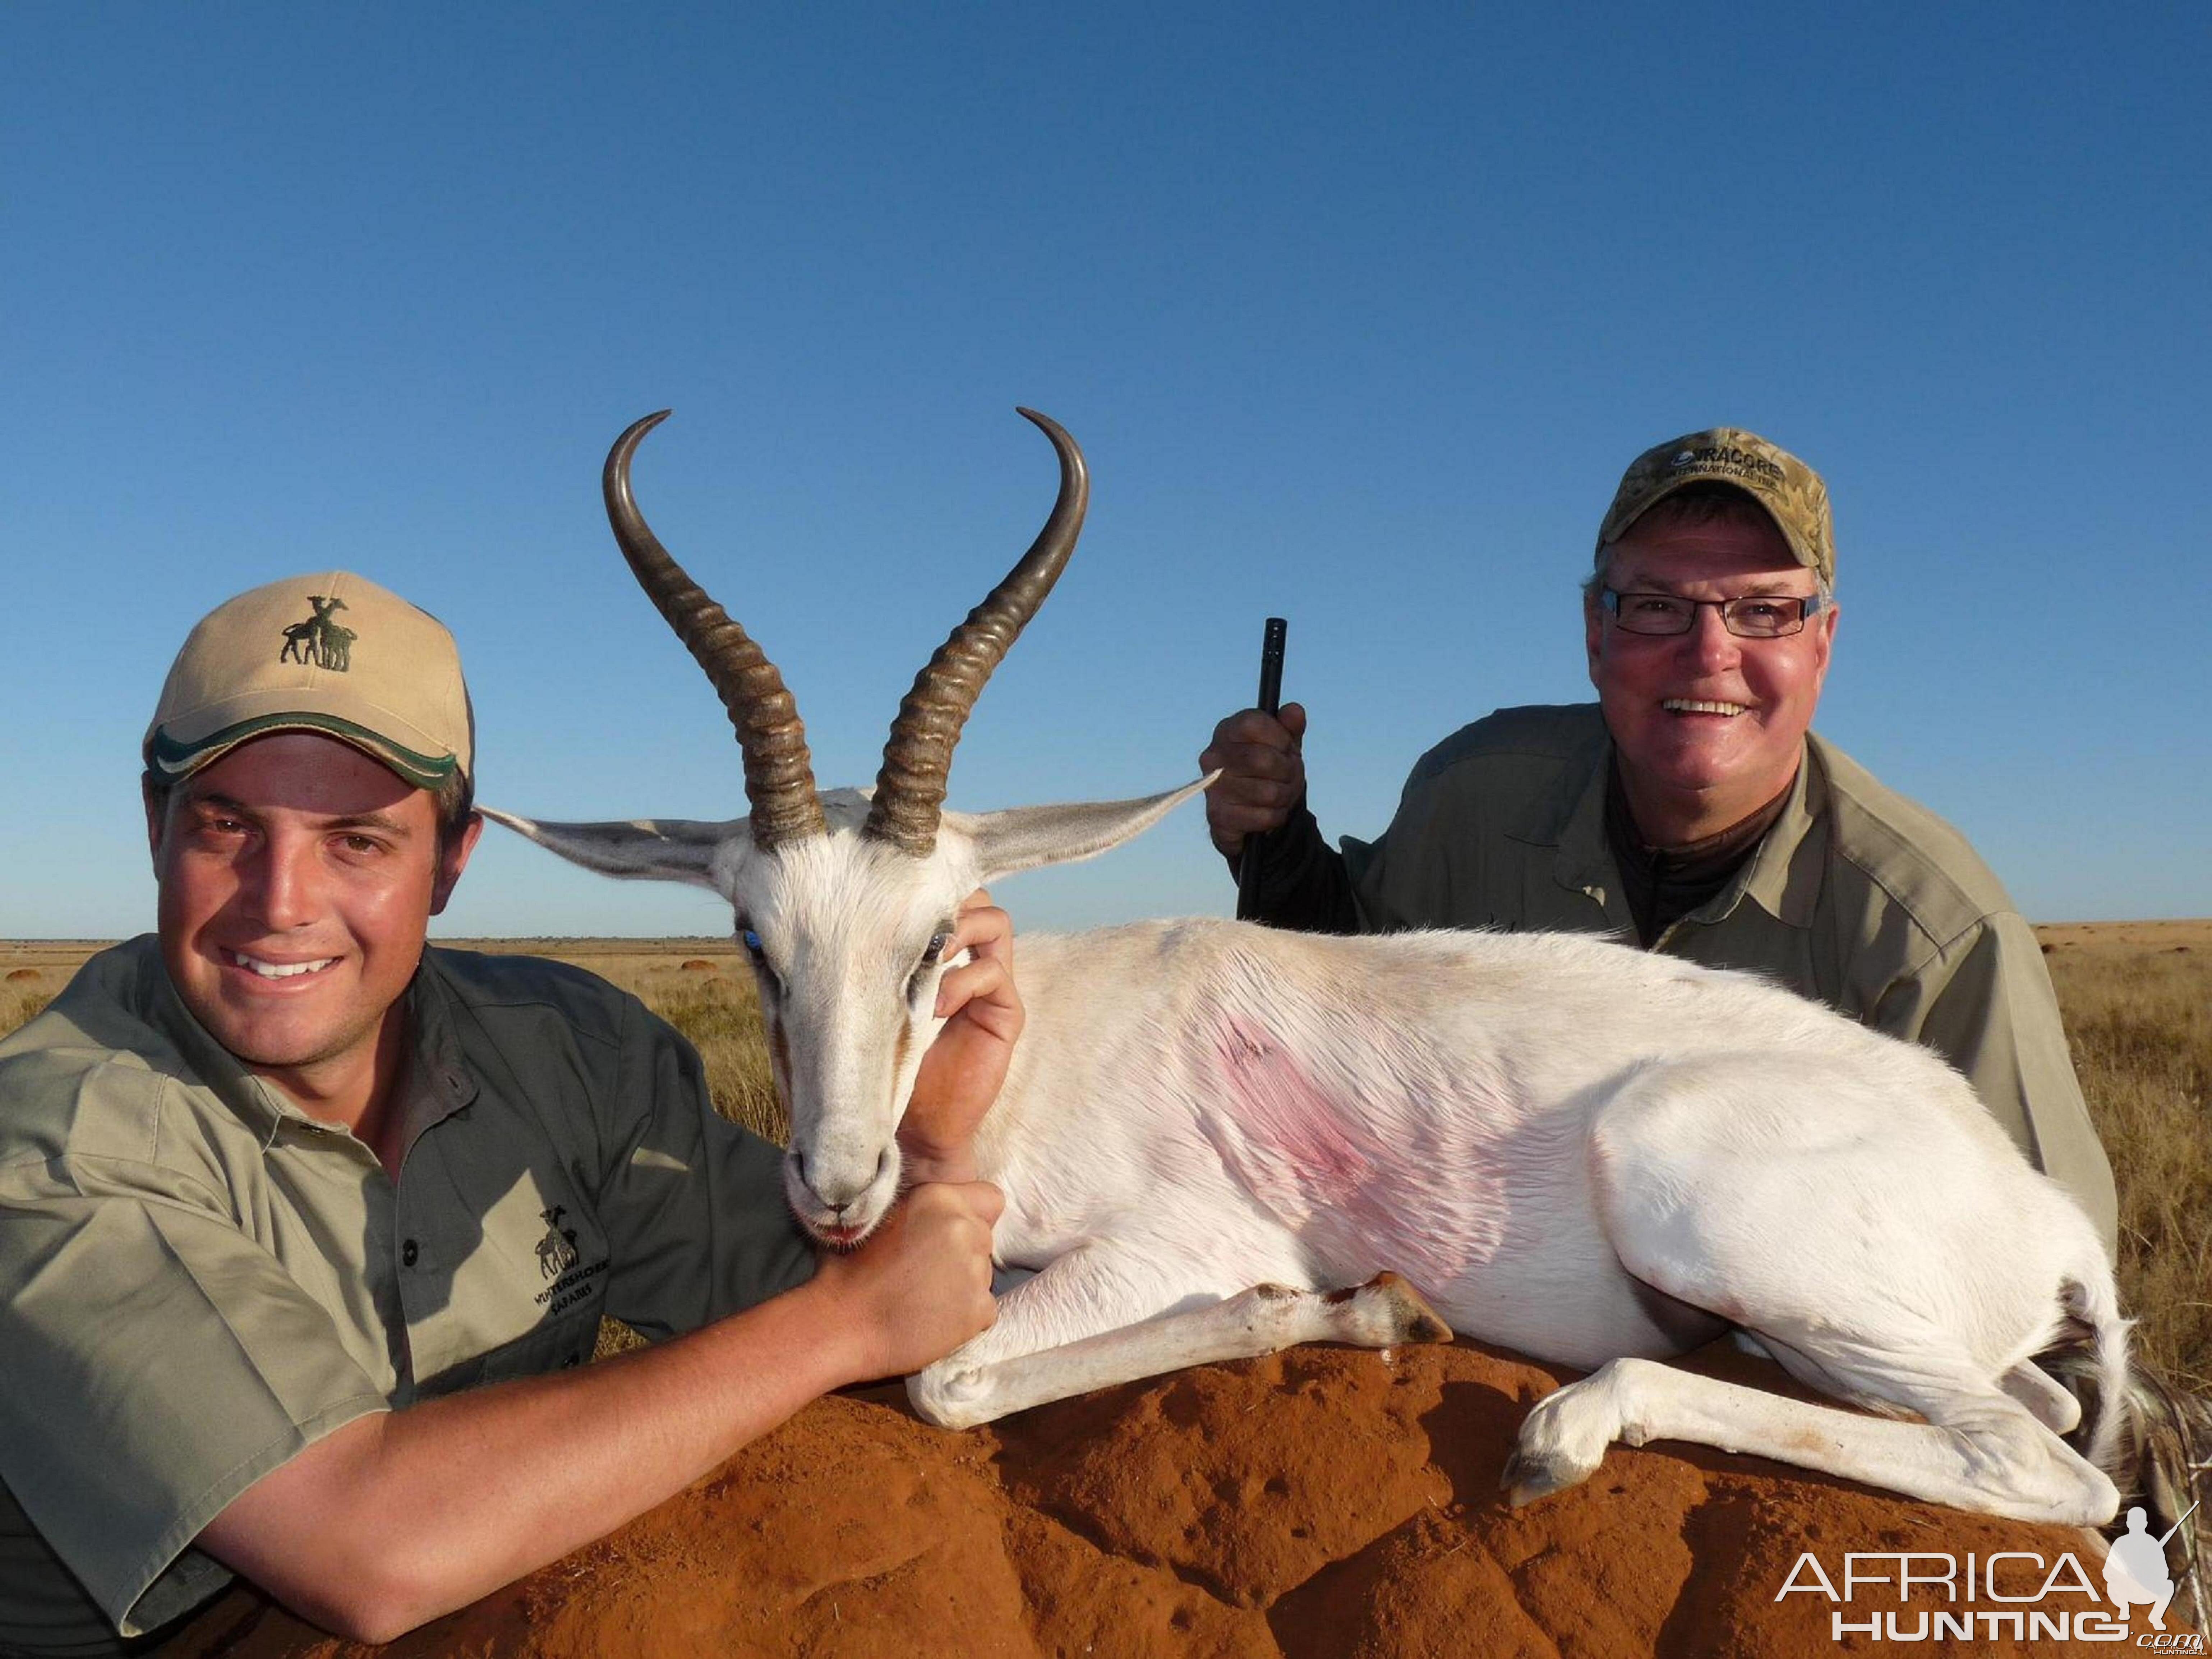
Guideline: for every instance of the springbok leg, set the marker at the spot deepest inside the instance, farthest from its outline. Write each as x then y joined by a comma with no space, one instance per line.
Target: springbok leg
1981,1449
1706,1170
1008,1370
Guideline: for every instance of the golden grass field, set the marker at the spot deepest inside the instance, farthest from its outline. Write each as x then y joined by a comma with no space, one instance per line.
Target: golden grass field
2137,998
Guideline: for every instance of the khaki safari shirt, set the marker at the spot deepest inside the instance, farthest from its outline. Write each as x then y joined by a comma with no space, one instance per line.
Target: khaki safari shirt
197,1280
1856,897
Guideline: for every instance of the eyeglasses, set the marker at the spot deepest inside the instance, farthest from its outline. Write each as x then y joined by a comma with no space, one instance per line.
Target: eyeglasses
1748,616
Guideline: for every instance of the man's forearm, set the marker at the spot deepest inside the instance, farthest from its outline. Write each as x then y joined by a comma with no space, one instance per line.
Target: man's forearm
1302,884
395,1519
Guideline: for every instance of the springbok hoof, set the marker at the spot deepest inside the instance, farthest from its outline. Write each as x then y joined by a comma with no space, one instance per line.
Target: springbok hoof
1403,1313
1414,1318
1531,1475
1386,1312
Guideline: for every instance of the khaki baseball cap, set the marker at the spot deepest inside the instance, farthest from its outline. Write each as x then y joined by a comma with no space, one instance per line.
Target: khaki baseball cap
1790,491
334,653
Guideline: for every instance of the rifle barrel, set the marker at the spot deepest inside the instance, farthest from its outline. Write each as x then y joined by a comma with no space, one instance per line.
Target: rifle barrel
1270,701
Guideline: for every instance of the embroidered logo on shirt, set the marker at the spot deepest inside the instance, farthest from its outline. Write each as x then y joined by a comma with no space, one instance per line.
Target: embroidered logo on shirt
557,1251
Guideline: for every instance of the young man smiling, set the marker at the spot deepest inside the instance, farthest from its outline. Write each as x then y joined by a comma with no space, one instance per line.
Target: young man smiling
305,1229
1693,810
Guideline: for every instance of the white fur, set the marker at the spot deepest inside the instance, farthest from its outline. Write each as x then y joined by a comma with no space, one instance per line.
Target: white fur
1588,1153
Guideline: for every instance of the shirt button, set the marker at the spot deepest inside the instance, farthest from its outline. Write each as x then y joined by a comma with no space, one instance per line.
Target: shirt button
408,1252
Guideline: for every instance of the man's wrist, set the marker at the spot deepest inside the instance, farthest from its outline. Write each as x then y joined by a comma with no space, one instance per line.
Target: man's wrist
954,1164
847,1348
1286,853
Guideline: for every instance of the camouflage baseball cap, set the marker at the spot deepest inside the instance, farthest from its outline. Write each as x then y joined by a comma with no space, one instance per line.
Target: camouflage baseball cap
1790,491
333,654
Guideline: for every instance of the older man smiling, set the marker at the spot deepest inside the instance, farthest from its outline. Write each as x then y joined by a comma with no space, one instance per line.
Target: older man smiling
1693,810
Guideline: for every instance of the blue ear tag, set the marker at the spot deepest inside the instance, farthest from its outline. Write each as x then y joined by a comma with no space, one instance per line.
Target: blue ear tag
751,941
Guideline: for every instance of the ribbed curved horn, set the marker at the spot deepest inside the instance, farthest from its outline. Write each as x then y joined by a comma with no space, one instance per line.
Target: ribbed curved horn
910,787
779,772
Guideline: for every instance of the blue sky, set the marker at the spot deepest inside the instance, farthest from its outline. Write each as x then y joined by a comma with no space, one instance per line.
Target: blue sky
1357,312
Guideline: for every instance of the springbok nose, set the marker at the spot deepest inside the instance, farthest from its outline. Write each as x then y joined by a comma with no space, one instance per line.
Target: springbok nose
798,1168
838,1196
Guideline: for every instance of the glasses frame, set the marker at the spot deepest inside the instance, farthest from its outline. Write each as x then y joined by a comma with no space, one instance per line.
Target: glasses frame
1809,606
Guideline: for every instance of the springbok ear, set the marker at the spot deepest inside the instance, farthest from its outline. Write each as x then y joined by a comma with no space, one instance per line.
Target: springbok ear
644,849
1026,837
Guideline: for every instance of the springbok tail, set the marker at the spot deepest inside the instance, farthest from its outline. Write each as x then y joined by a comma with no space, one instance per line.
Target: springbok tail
2090,1298
2153,1435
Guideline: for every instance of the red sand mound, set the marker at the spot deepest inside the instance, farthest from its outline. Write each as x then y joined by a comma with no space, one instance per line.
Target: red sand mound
1325,1503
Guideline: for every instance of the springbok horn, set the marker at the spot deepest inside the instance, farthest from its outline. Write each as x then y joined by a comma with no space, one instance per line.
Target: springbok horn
910,787
779,773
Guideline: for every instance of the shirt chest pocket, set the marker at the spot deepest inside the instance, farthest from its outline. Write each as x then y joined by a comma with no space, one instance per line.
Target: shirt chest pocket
524,1292
559,1252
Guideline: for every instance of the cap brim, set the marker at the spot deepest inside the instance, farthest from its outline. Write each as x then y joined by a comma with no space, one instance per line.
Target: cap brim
172,757
1612,532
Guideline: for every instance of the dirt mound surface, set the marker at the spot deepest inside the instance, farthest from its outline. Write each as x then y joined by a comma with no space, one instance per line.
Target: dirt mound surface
1324,1504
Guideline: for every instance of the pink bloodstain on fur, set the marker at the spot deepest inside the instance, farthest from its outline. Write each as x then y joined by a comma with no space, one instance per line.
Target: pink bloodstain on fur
1314,1159
1278,1104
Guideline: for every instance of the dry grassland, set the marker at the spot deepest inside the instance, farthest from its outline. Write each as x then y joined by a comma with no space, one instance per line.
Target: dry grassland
2137,998
2137,1001
699,986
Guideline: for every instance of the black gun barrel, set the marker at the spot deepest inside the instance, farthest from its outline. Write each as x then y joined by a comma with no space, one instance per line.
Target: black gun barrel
1270,701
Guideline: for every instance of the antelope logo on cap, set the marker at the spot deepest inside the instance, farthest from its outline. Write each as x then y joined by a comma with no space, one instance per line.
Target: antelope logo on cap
319,642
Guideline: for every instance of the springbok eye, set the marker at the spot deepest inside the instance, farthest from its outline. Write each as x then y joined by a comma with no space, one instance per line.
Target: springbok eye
930,955
757,953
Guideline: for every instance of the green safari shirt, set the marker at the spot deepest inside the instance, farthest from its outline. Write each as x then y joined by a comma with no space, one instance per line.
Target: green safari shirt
197,1280
1856,897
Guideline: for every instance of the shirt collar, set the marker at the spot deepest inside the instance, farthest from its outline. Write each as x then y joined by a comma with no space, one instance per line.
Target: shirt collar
1777,879
1571,818
439,1082
257,1105
434,1085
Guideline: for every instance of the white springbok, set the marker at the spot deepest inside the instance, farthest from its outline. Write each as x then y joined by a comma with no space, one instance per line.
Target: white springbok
1579,1150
